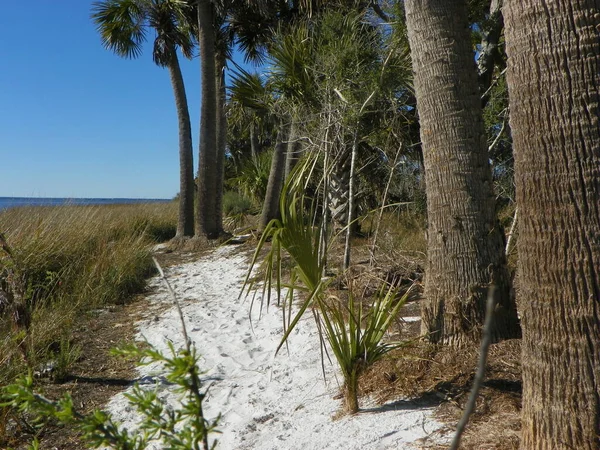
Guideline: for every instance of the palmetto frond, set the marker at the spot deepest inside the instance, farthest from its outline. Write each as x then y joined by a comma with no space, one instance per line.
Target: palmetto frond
249,90
175,28
252,32
121,24
292,63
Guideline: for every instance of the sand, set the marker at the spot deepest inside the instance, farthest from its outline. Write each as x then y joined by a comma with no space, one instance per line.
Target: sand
266,402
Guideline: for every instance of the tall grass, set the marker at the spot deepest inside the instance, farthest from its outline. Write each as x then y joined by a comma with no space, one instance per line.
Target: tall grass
68,260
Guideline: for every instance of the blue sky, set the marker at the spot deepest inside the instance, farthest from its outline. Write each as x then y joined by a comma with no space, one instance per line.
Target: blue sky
78,121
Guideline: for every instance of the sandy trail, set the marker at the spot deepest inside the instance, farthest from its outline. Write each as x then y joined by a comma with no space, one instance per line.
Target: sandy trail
266,402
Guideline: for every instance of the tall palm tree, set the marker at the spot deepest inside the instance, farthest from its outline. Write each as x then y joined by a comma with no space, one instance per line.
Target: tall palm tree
209,222
123,26
554,86
465,250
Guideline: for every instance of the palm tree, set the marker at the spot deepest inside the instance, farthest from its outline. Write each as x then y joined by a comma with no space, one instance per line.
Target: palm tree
209,221
250,106
465,251
123,26
554,88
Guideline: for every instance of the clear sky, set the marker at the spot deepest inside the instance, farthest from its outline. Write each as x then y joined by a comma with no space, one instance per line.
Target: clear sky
75,119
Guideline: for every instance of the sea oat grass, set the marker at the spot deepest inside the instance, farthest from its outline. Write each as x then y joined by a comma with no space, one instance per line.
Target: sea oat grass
68,260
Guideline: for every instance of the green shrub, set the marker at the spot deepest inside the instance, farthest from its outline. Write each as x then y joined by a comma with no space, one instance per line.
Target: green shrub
183,429
252,178
236,204
354,337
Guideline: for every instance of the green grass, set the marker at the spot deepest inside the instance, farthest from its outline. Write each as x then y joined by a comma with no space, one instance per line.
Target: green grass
68,260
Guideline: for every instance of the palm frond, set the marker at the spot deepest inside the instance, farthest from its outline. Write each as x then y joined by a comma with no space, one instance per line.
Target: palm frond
249,90
291,59
175,28
122,26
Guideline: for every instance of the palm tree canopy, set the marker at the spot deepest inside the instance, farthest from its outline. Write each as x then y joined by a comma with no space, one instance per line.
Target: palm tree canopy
123,26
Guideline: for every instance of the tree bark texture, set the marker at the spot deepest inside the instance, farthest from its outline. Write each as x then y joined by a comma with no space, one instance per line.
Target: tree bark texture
339,187
294,148
221,131
465,250
554,90
274,185
185,223
208,221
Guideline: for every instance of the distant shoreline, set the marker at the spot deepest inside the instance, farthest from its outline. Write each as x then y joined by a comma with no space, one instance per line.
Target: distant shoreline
15,202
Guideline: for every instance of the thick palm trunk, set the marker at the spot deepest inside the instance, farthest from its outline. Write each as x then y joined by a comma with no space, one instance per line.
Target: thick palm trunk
465,242
271,205
221,131
208,223
554,90
185,223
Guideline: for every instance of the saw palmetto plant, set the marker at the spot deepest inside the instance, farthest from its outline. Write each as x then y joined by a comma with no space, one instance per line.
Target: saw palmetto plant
353,331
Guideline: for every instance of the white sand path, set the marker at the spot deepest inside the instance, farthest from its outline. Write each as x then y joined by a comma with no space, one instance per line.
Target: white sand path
266,402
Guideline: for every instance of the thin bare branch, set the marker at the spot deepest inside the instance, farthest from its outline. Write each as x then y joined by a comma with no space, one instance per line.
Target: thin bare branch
479,375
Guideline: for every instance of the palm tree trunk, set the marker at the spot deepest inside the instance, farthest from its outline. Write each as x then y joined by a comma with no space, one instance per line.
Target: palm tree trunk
351,392
339,183
489,53
221,131
208,223
293,148
254,144
271,205
351,194
465,251
554,87
185,223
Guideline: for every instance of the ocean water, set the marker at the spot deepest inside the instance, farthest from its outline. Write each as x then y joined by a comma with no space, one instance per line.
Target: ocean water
13,202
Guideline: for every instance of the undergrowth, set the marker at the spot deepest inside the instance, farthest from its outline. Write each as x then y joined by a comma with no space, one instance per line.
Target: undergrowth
59,262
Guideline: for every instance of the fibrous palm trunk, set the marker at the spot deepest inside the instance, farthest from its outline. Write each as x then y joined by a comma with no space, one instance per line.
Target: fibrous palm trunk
465,249
339,187
221,131
554,91
294,148
209,222
254,143
185,223
274,185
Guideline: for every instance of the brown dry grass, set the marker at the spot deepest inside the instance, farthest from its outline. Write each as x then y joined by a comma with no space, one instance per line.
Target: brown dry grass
425,373
431,374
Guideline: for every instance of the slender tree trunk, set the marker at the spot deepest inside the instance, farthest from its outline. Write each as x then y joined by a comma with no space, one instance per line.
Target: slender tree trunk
351,194
254,144
489,54
554,90
339,183
293,148
221,132
208,222
185,223
465,250
271,205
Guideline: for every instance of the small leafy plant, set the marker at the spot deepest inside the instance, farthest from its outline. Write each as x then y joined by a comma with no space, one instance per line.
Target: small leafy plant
354,337
183,429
